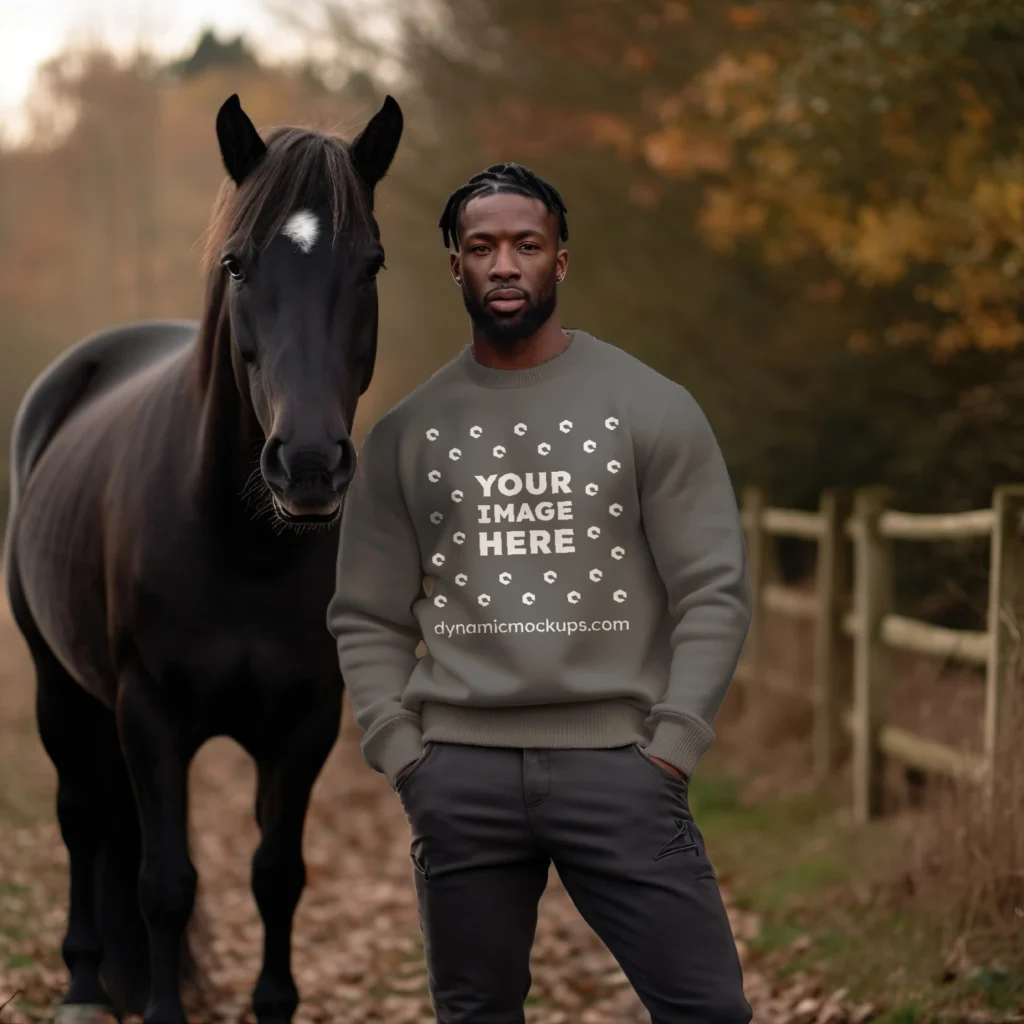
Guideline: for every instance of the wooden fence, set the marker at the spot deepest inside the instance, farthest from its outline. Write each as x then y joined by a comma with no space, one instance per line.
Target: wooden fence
853,601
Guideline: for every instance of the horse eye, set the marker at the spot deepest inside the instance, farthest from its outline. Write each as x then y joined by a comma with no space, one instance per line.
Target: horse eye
233,267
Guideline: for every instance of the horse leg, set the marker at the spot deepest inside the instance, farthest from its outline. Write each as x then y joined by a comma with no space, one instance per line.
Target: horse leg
158,760
79,735
278,871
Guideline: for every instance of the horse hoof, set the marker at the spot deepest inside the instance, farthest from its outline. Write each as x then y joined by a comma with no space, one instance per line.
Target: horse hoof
84,1013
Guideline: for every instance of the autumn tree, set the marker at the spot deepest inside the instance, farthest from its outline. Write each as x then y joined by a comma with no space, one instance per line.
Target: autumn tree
882,136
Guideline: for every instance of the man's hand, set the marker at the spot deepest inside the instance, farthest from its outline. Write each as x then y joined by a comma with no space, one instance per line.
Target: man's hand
671,767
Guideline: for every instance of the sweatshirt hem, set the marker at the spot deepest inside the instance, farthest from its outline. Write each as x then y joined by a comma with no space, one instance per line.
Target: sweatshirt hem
590,724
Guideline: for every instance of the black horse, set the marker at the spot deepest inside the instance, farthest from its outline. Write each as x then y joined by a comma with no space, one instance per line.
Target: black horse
176,493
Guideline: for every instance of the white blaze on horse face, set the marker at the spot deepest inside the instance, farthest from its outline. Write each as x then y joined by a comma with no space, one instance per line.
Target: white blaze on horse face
302,228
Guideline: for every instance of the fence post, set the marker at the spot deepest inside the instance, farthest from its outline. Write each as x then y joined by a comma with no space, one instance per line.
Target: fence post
873,597
1005,618
831,649
753,506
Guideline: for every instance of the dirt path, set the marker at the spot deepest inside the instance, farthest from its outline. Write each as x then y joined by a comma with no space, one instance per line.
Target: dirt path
357,951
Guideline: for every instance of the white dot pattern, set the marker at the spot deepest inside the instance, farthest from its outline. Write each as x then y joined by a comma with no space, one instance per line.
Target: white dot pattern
544,448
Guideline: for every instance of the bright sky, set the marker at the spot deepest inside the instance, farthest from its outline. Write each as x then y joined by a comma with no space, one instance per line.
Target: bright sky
31,31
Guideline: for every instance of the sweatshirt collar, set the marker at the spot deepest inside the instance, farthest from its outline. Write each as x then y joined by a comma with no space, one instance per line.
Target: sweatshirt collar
571,357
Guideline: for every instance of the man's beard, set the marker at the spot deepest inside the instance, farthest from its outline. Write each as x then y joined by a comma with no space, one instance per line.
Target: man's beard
507,332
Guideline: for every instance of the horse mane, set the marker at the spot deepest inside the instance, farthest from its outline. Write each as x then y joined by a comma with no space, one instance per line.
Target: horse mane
302,168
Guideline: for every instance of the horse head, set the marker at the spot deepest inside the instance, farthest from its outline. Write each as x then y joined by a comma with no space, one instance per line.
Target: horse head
300,250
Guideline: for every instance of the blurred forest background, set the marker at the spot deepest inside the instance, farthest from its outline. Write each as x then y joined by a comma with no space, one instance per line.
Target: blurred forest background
810,214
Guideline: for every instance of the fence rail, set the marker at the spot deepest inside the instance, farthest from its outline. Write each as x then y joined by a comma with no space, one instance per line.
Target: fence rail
853,601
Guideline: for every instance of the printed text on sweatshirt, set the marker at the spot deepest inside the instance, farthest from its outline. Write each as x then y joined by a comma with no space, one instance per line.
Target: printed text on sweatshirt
588,579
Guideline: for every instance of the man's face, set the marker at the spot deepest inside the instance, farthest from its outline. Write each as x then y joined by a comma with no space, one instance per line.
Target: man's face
508,265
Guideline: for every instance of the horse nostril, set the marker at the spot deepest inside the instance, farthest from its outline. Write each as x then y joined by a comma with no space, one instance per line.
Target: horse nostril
345,462
272,465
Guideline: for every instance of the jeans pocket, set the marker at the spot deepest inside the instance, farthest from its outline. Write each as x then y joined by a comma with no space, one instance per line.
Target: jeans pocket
418,862
664,773
412,768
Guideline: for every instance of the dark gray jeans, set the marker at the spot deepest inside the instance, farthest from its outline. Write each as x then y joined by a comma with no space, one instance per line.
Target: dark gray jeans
486,824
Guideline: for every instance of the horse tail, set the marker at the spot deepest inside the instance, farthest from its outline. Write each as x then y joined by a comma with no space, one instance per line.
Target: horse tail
45,406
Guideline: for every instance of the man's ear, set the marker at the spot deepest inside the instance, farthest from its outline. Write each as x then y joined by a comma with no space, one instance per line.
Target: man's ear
456,267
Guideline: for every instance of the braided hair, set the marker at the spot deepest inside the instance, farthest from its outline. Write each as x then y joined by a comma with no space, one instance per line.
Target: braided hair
509,177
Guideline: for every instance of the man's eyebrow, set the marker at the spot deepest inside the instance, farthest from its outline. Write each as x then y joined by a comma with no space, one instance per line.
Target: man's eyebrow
523,233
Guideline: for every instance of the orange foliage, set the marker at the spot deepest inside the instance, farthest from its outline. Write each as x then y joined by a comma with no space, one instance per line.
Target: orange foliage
638,58
745,17
893,178
962,221
672,152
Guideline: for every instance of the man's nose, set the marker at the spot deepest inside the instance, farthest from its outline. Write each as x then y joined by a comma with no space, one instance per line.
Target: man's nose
504,267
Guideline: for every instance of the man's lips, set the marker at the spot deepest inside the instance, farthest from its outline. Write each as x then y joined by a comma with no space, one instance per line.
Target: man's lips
506,300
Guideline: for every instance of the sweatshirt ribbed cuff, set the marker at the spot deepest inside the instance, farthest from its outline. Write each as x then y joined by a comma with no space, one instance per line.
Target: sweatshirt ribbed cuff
393,746
680,741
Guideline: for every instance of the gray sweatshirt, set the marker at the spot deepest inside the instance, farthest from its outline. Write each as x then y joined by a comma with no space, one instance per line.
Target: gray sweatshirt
565,541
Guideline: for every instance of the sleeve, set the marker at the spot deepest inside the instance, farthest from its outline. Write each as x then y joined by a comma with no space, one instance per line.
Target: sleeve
379,579
692,523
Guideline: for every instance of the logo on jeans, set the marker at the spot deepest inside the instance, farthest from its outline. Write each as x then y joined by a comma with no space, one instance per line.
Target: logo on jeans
681,842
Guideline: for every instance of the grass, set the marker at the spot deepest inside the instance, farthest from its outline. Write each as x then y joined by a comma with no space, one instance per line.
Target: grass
798,864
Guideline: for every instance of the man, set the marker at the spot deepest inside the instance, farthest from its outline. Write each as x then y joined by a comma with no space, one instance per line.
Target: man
587,606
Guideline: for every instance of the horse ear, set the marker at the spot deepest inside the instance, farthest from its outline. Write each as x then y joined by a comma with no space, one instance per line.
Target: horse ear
374,148
240,144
